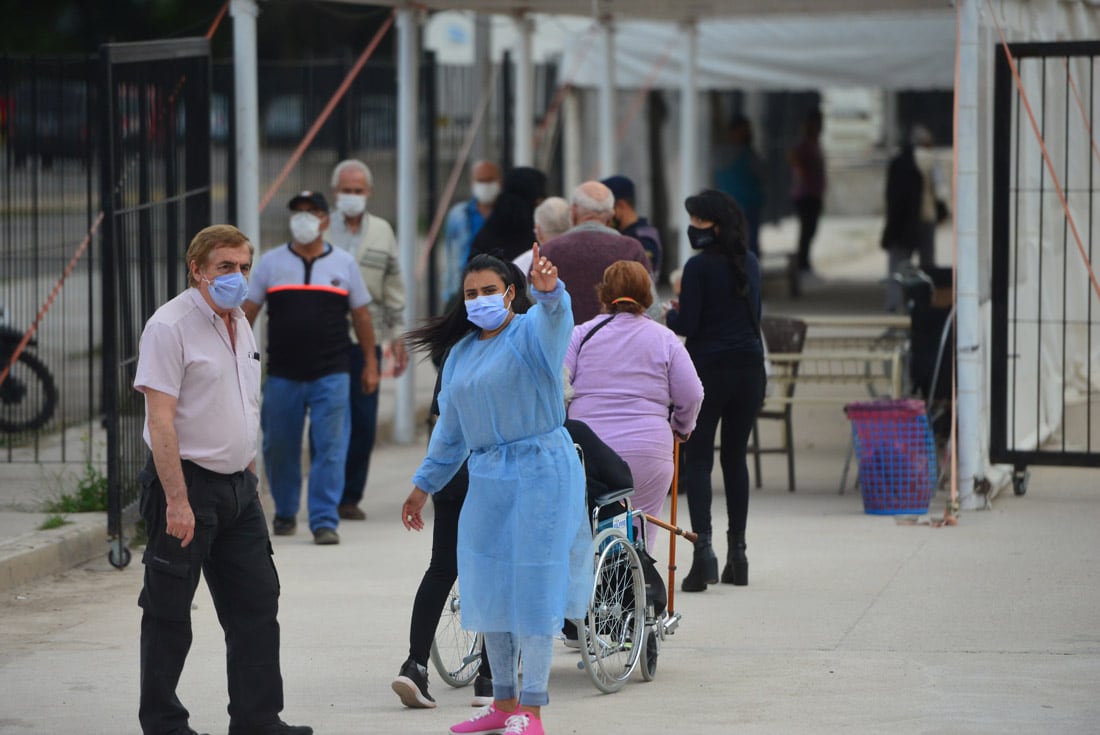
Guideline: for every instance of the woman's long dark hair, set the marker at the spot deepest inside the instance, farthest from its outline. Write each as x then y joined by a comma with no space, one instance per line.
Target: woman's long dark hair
730,240
510,227
441,333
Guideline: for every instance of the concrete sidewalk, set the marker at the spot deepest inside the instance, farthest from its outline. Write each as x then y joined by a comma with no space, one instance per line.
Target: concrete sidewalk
851,623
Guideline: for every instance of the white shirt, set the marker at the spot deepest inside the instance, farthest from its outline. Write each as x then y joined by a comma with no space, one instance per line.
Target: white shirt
185,352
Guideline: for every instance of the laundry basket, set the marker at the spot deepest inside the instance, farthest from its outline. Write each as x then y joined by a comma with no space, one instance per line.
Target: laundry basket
897,455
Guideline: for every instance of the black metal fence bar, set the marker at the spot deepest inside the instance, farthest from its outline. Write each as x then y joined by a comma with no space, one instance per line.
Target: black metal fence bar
156,189
48,202
1042,300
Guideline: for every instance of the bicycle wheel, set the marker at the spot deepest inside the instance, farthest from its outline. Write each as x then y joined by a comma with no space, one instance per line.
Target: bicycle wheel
456,653
614,631
28,397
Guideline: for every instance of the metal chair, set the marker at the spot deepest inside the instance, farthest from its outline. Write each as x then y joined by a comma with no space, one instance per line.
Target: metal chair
781,335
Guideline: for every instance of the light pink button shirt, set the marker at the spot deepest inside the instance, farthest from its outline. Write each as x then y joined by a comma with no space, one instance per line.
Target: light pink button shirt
185,352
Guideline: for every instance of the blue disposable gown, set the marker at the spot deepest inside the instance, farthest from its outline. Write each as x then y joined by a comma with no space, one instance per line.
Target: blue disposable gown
524,560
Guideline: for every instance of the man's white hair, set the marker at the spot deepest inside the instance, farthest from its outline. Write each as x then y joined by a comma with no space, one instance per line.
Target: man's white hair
600,202
552,217
352,163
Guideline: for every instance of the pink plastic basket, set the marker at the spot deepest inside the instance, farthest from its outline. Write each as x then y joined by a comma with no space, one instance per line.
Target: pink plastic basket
897,456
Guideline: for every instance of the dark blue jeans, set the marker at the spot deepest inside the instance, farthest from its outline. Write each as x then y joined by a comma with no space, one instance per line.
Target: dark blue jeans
364,422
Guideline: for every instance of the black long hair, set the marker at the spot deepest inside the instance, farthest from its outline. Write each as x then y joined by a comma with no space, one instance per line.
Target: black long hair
510,227
441,333
730,240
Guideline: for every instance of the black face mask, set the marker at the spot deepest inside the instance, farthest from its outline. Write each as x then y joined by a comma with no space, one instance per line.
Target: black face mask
701,237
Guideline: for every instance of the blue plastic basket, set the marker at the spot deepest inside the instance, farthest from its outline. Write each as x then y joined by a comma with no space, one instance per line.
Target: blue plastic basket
897,456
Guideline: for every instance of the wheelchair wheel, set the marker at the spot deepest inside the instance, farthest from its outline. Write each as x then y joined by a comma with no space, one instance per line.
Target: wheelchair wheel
614,630
456,653
649,654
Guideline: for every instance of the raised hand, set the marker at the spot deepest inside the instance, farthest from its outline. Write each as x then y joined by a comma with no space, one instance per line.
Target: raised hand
544,274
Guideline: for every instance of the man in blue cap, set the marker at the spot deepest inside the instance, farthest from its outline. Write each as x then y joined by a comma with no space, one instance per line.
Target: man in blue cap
630,224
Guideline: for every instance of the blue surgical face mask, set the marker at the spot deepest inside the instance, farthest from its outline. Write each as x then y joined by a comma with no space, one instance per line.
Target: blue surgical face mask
488,311
228,291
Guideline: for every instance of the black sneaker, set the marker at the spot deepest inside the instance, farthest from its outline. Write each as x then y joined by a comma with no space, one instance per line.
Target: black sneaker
411,685
483,692
284,526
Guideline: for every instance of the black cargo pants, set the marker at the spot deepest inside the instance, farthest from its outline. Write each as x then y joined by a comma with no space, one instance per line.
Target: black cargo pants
231,548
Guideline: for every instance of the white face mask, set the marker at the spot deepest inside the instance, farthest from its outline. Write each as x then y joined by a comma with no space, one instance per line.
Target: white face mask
351,205
305,227
486,192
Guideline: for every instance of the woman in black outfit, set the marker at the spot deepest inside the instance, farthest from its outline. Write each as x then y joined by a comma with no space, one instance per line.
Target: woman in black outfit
719,313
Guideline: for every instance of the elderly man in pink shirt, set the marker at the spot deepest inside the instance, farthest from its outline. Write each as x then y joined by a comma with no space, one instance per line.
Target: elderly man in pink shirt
634,384
200,373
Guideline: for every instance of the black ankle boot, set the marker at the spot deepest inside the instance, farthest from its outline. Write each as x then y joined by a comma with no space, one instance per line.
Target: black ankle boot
737,563
704,567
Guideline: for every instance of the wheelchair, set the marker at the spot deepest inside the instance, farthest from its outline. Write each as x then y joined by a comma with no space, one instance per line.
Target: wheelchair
625,622
456,653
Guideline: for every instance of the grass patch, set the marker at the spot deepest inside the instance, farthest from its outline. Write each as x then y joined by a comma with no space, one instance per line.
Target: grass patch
52,522
90,495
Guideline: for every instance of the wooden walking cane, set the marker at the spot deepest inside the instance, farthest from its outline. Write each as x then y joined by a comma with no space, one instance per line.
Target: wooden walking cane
672,522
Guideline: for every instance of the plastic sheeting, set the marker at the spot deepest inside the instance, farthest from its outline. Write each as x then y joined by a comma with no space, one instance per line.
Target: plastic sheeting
886,50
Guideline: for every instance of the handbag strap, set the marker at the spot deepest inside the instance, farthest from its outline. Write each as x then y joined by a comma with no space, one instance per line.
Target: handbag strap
595,329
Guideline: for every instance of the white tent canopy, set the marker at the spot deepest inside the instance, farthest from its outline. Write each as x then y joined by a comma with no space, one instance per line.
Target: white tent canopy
898,50
777,44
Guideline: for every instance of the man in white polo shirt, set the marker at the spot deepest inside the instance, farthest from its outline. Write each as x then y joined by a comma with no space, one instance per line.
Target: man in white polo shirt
200,372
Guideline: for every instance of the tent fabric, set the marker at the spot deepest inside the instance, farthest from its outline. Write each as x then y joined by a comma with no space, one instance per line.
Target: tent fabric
912,50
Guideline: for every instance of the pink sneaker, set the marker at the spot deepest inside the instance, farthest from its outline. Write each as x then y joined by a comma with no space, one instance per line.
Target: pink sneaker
523,723
488,721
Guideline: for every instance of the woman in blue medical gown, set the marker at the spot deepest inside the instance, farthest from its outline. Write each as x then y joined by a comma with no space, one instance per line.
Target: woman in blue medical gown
523,537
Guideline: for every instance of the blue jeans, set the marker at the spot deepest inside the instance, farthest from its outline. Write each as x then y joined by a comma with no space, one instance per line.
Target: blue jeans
282,417
504,650
364,420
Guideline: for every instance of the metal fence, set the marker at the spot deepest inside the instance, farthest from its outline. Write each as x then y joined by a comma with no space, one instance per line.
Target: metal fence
1046,319
155,187
49,198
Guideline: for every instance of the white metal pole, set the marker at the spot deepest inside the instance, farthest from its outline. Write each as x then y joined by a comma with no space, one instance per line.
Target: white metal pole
689,120
571,141
525,87
246,117
483,66
968,332
608,155
407,164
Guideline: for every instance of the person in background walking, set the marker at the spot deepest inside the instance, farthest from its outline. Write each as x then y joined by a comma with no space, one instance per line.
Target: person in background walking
200,373
808,184
310,288
627,221
371,241
584,252
719,314
463,222
510,227
739,172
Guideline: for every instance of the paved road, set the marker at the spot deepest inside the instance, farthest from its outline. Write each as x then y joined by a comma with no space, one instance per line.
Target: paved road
851,624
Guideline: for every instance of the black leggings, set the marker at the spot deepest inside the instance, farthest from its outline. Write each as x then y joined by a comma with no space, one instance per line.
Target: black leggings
442,571
733,389
809,212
